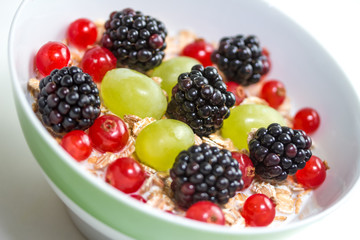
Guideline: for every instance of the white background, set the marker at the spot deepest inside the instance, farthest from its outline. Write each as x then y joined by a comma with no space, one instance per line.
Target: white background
29,209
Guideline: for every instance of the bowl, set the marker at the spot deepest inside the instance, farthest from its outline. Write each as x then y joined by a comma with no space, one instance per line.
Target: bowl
312,78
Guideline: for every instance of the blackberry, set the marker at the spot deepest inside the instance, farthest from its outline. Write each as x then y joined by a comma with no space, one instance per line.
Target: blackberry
200,100
240,58
205,173
136,40
278,151
68,100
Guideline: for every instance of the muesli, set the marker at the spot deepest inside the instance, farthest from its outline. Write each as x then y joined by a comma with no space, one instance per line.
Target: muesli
191,128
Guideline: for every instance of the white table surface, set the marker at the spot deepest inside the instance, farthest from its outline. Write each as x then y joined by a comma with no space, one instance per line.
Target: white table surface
29,209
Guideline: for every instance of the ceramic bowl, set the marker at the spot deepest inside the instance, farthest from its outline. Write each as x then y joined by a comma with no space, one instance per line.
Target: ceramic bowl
312,79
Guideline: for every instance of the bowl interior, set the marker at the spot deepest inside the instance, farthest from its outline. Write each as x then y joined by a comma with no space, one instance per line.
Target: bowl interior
311,77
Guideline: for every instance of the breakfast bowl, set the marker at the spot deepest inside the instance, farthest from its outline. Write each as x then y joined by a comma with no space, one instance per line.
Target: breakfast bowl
312,79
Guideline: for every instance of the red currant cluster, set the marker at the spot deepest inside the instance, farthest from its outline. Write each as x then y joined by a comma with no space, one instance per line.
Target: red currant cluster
82,35
307,119
108,134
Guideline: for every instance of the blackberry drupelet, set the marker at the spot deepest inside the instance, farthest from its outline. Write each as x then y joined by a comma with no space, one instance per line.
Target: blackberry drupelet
68,100
136,40
278,151
200,100
241,60
205,173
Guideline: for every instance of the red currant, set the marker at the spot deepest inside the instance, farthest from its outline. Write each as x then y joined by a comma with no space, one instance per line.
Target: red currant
206,211
313,174
273,92
258,210
97,61
200,50
52,55
307,119
265,52
81,33
237,90
109,134
246,166
78,144
125,174
138,197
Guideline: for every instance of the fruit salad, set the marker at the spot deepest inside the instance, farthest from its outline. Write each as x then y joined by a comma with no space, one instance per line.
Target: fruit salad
187,125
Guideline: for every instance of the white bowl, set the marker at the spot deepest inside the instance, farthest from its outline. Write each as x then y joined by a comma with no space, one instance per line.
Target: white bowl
312,79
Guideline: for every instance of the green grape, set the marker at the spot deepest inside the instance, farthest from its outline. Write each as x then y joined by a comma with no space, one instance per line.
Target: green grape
158,144
245,117
170,70
125,91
